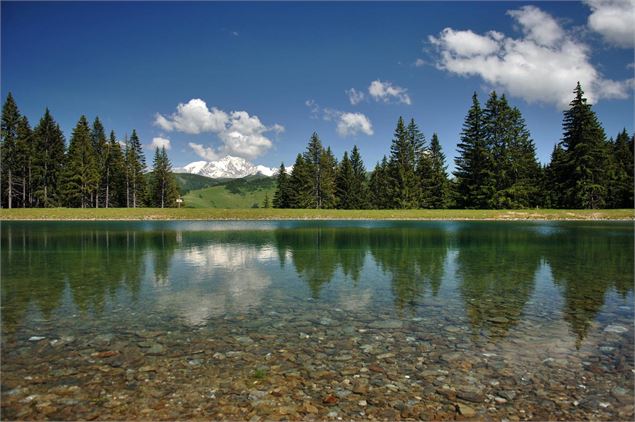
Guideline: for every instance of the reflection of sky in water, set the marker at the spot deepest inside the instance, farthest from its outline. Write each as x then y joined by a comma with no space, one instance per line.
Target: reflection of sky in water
537,284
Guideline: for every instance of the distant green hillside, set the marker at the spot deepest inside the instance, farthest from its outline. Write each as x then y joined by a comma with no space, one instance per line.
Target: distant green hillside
188,182
232,193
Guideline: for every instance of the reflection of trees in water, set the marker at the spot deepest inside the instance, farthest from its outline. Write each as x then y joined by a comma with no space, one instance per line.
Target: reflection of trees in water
496,266
93,263
586,263
415,257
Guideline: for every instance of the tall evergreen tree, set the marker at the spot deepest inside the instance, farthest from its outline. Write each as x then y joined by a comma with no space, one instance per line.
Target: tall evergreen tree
113,175
163,191
555,178
328,170
23,161
402,167
586,155
343,183
135,168
380,186
435,182
99,142
622,184
8,136
300,182
80,173
282,196
475,184
320,164
359,184
48,162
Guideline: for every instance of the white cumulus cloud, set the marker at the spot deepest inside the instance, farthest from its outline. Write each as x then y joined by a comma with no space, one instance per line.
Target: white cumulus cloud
387,92
541,66
350,124
241,134
159,142
614,20
354,96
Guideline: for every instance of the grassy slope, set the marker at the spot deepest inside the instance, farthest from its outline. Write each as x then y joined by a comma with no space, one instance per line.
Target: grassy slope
273,214
237,193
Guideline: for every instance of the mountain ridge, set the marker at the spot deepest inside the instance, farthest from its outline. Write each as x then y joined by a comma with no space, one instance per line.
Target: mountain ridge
227,167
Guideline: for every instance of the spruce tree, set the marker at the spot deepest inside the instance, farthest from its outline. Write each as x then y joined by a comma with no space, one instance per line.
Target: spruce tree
622,184
320,164
475,181
359,184
80,173
380,186
8,136
163,191
402,167
586,155
301,184
135,168
282,196
555,178
99,142
328,170
48,162
266,203
114,174
23,161
343,183
435,179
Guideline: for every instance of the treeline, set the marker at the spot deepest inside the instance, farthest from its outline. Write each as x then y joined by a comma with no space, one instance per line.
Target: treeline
95,171
496,167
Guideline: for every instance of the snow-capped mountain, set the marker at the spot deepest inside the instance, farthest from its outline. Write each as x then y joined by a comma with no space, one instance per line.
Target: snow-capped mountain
227,167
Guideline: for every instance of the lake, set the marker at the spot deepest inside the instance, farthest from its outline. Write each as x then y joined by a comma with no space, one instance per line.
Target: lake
323,320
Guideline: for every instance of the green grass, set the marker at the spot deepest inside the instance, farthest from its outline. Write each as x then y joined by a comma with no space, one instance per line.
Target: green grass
236,193
276,214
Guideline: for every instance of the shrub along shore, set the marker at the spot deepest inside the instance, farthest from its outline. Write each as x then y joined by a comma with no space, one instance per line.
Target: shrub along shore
88,214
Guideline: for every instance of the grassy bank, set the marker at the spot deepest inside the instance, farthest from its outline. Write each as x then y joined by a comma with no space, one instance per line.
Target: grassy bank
277,214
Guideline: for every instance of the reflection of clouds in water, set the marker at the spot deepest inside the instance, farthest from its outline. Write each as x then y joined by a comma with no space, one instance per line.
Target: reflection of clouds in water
355,300
222,279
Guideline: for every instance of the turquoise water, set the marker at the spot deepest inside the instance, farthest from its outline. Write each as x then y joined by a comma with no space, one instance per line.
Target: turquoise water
536,308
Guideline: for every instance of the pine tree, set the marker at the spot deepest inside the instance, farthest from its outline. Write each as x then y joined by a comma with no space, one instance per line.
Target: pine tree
300,182
135,168
163,188
328,170
435,182
282,196
99,142
8,135
265,202
80,173
114,174
343,183
402,166
584,142
555,178
475,184
622,184
48,162
359,184
380,186
23,161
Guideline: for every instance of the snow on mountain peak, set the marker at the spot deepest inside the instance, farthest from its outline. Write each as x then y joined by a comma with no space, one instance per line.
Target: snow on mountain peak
226,167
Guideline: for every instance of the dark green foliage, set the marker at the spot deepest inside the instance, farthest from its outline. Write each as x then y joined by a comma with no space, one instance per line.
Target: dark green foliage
434,178
475,184
23,162
380,187
113,175
135,166
622,184
48,162
282,197
187,182
98,139
266,203
586,156
8,135
402,166
358,196
320,175
80,173
301,194
163,192
343,183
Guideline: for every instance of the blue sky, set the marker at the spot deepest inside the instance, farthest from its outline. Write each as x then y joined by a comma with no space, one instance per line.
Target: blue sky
256,79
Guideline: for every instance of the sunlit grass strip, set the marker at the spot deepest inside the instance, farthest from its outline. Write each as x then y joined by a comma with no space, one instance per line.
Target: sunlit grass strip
307,214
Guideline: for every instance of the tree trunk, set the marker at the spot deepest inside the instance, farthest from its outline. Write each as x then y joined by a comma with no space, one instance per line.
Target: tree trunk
9,190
